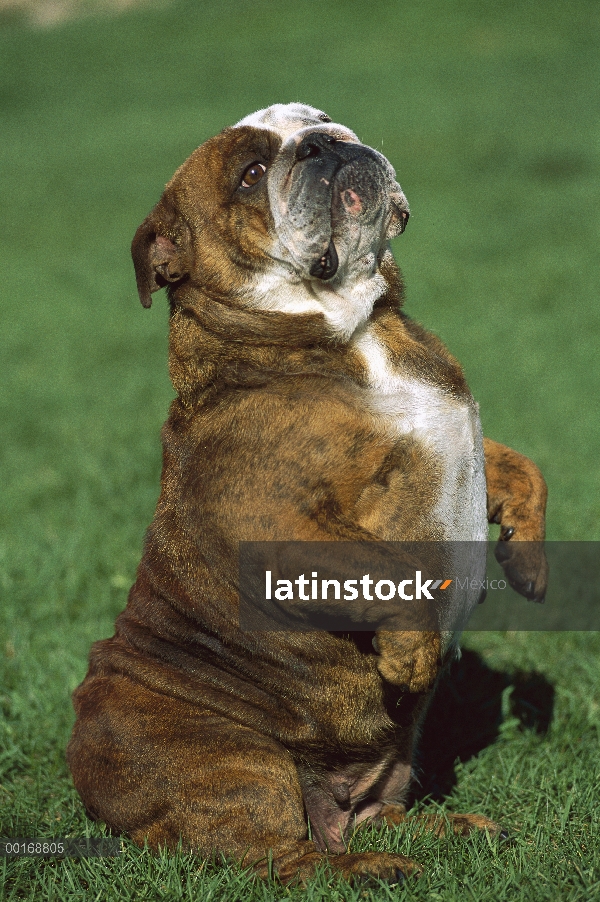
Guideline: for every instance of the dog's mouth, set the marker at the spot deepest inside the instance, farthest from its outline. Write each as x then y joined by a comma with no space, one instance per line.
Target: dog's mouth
325,267
334,202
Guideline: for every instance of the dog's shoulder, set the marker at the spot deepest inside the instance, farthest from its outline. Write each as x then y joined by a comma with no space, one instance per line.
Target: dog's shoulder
409,349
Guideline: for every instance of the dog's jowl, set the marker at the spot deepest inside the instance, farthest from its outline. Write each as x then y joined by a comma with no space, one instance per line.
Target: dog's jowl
309,408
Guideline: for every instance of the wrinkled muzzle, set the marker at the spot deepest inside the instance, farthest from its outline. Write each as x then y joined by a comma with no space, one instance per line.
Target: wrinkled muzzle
335,203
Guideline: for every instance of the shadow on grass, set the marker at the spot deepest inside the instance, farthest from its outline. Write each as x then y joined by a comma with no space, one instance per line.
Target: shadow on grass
466,715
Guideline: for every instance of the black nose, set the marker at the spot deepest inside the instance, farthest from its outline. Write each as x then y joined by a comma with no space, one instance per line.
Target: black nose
313,145
326,266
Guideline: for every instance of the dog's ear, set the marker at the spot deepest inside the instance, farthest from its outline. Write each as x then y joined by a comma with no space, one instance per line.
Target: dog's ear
161,251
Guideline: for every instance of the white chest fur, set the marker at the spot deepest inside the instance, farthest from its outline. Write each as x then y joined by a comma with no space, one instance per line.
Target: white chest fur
447,426
450,428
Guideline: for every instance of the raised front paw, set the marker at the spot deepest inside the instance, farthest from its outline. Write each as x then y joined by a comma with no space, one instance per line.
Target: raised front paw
408,659
524,564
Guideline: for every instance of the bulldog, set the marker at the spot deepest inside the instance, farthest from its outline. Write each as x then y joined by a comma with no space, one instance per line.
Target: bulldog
309,408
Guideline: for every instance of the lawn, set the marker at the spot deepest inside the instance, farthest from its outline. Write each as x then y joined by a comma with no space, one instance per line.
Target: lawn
489,114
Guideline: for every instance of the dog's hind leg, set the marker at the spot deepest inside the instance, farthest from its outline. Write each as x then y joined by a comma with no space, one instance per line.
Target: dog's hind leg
440,824
165,771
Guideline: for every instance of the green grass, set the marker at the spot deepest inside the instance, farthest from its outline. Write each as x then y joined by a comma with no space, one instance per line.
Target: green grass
486,111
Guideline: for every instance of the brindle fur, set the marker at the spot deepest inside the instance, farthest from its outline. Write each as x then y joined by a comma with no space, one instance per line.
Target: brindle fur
187,727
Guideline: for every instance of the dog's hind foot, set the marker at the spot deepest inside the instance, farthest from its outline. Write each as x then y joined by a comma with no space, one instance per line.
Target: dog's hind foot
442,823
362,867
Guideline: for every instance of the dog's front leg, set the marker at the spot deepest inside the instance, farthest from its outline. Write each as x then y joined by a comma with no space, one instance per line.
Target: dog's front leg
516,499
410,659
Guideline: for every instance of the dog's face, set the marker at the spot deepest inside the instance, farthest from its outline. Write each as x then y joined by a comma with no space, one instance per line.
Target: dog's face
285,211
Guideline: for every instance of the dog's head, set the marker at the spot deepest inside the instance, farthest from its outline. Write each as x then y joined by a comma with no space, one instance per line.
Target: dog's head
285,211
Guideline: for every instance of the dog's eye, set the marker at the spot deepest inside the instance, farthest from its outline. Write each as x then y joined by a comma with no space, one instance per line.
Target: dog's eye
253,174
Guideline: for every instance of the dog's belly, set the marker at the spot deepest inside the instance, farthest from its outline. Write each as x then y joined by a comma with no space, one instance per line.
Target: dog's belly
439,445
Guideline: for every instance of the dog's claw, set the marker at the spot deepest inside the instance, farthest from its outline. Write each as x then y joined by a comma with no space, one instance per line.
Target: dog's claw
525,567
506,839
367,881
